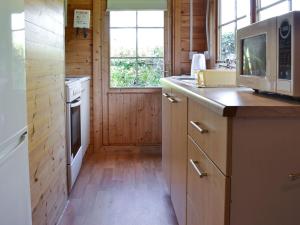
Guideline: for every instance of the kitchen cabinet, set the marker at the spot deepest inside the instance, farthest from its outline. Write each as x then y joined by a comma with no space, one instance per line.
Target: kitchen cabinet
241,156
179,155
175,149
166,137
85,114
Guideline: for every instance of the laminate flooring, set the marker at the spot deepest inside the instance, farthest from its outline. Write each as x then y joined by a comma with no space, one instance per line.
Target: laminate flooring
120,188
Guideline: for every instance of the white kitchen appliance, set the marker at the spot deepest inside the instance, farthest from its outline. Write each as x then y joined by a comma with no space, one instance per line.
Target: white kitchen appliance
85,110
267,54
15,208
73,130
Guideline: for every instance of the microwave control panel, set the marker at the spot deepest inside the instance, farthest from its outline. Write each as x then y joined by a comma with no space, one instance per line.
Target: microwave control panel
285,51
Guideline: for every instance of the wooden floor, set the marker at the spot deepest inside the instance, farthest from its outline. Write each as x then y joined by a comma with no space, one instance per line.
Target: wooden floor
120,189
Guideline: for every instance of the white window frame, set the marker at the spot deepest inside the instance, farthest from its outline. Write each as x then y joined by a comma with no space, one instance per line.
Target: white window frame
220,25
260,9
136,57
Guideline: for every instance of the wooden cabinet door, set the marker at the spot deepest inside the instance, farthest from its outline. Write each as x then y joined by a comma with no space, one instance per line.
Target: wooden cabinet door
166,137
179,155
207,190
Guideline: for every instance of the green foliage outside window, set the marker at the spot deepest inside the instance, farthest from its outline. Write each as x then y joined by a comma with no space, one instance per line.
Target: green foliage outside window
228,45
137,72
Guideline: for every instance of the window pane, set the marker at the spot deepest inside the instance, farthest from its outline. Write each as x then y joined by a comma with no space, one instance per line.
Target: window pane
227,11
123,19
243,9
151,19
150,71
227,42
123,73
267,2
243,23
123,42
150,42
296,4
276,10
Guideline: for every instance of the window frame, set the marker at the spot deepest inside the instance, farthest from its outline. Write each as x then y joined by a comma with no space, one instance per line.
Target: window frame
136,57
220,25
260,9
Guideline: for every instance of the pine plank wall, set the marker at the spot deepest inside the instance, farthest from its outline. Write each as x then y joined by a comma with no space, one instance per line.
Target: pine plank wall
45,68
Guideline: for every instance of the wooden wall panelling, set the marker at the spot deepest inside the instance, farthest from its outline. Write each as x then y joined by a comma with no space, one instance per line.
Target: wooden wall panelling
97,75
176,18
181,31
105,71
79,50
168,40
45,68
134,119
149,119
213,32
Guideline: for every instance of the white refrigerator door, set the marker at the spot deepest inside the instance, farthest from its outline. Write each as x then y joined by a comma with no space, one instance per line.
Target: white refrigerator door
12,69
15,208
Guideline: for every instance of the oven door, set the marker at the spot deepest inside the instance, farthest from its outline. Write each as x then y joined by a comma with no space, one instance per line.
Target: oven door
73,129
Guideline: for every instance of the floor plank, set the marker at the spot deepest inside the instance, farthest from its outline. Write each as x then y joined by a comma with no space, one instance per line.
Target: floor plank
120,188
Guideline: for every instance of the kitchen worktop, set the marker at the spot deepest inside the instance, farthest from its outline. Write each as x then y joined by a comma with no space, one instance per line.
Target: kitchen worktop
237,101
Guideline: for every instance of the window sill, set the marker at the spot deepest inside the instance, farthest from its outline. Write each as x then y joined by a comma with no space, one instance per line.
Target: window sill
152,90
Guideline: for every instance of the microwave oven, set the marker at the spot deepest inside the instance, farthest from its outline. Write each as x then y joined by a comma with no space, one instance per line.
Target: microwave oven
267,55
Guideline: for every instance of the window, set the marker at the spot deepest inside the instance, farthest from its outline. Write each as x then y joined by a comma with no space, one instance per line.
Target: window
233,14
268,8
136,48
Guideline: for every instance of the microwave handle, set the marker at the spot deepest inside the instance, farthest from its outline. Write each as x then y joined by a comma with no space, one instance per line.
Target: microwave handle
75,104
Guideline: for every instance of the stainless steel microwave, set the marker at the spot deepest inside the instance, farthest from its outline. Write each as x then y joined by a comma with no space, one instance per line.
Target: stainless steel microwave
268,55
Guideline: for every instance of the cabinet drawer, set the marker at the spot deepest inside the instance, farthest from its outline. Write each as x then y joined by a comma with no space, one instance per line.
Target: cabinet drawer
210,132
207,190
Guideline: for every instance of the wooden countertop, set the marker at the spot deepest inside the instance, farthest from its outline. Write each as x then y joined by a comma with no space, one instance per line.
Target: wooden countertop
239,101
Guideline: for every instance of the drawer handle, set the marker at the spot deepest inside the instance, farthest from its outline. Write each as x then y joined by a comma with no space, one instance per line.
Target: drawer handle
197,169
197,126
294,176
166,95
172,100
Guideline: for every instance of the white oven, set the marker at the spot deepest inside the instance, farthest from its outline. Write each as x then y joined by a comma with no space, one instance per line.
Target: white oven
73,130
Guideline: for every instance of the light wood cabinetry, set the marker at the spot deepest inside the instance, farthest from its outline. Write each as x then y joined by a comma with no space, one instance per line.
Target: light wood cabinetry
207,189
175,149
166,137
241,159
210,132
179,155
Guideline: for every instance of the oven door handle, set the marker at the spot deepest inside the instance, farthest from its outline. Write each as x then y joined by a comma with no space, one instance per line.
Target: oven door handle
75,104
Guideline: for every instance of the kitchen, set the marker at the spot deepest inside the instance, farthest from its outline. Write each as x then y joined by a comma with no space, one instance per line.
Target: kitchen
141,159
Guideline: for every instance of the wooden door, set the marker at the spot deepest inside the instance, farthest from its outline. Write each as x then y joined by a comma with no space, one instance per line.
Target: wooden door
166,136
179,155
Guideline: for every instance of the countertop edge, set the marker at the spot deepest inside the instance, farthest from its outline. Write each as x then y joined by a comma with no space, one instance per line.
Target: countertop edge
221,109
243,111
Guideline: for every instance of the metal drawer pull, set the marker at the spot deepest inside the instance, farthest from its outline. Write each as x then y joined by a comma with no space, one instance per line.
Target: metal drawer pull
294,176
194,164
197,126
172,100
166,95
